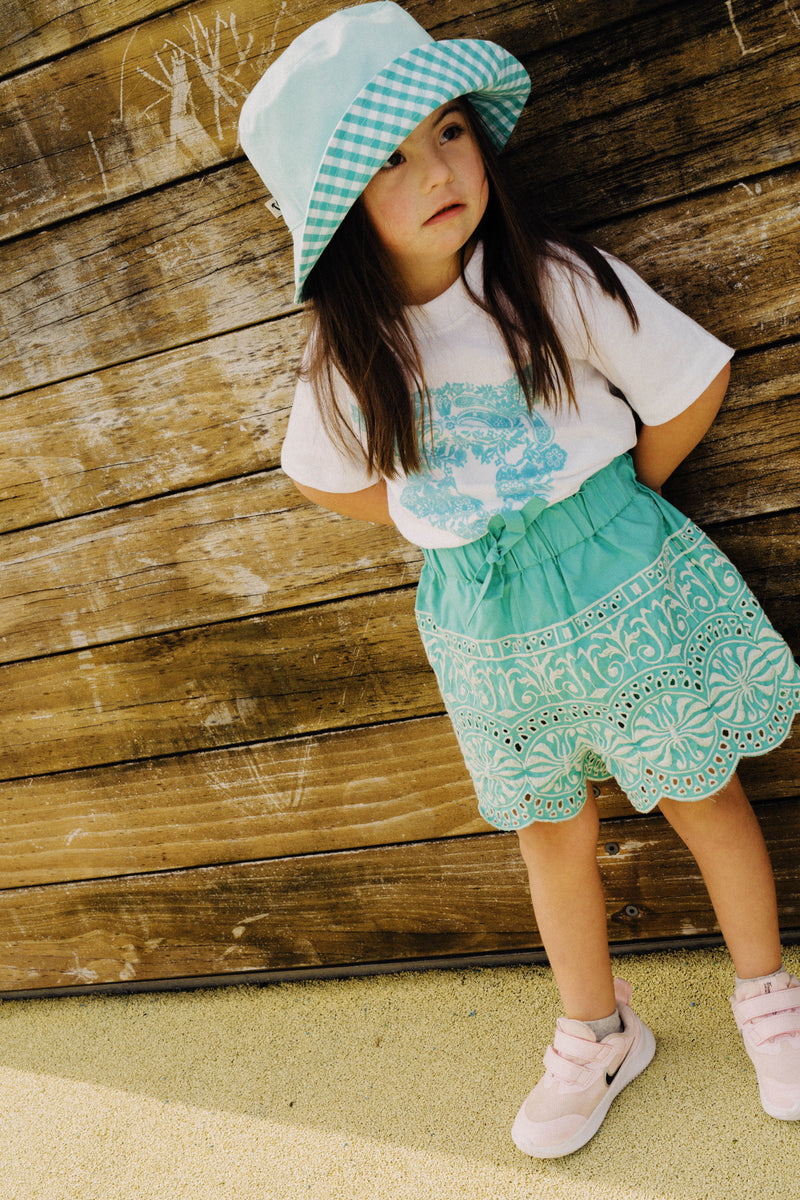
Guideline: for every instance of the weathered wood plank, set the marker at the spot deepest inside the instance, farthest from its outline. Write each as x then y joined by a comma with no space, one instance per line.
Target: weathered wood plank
716,256
749,461
163,103
195,260
188,560
165,98
397,783
392,783
355,662
221,552
160,272
332,666
33,30
680,100
205,412
425,900
766,550
99,440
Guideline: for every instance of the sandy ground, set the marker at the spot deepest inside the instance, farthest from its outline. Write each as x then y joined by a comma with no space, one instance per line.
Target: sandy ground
393,1086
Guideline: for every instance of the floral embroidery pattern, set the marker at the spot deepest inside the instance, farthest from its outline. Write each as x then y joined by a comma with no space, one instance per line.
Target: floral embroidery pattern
665,683
487,454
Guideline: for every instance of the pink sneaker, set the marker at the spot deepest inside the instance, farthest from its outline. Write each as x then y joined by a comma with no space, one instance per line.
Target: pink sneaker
768,1016
582,1077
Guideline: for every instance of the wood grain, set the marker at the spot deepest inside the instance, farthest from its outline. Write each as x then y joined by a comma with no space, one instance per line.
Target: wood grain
356,661
194,559
157,273
220,552
191,262
749,461
163,104
36,29
736,267
425,900
377,785
681,101
33,30
201,413
98,441
165,97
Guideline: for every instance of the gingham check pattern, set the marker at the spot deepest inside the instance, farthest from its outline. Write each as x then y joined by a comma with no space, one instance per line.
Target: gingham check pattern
389,107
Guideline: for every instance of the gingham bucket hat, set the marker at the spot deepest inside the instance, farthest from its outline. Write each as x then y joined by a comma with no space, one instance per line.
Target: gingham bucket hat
329,112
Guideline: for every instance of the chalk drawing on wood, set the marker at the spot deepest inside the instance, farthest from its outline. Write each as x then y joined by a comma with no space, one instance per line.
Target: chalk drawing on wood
744,44
201,82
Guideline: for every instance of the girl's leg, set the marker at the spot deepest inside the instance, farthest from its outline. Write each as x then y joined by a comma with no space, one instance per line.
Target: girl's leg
570,909
725,838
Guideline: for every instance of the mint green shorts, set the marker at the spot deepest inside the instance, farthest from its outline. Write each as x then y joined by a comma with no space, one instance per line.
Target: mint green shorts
602,635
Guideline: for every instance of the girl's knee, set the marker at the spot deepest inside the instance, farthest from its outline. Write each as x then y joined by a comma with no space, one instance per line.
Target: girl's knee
568,836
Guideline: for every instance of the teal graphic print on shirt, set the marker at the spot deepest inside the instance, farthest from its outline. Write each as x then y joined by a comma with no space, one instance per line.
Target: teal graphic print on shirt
486,454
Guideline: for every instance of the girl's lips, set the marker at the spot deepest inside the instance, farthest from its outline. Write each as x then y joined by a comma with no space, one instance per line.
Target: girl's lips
448,211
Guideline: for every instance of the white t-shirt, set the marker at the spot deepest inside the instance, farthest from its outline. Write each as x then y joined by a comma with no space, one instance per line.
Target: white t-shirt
486,452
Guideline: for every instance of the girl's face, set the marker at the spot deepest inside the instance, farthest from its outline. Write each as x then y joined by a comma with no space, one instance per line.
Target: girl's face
426,202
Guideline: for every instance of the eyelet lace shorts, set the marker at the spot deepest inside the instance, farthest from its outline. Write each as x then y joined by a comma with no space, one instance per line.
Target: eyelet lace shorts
602,635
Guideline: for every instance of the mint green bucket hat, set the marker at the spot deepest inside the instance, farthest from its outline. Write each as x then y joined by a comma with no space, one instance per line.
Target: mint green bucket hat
329,112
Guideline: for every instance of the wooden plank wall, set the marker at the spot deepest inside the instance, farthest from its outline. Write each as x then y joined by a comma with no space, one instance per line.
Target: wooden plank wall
221,748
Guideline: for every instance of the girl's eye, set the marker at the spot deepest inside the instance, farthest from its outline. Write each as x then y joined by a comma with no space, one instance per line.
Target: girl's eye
451,132
394,160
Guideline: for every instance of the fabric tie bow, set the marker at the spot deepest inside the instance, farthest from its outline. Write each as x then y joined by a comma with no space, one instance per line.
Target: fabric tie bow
506,530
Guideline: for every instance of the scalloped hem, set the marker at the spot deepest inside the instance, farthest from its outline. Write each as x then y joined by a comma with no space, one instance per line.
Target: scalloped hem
688,789
664,684
681,788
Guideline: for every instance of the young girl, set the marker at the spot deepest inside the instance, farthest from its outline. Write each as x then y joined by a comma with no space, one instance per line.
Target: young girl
471,378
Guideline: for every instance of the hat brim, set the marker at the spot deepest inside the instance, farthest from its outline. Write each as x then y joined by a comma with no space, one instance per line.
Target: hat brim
387,109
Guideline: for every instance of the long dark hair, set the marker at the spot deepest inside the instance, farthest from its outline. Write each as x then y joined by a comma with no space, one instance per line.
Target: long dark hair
361,330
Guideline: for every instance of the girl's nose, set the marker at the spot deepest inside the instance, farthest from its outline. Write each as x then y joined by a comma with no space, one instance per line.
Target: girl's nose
437,169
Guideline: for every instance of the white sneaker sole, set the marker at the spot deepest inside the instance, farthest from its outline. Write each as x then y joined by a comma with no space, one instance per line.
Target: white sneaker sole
633,1065
780,1114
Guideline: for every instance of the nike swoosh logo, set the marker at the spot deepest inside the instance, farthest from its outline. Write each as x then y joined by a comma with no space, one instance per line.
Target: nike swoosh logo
610,1078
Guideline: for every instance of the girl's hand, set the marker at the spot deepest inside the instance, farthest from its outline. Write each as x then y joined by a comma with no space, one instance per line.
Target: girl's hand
661,448
370,504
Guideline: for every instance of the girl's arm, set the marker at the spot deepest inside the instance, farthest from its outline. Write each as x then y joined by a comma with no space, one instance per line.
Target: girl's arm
370,504
661,448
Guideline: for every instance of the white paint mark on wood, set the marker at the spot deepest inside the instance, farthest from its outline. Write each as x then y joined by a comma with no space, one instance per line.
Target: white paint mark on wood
792,13
552,13
743,47
246,706
302,770
274,40
99,162
240,929
70,838
122,72
205,54
79,974
207,58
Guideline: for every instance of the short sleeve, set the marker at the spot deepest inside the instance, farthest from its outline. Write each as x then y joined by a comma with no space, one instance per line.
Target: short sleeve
662,367
310,455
